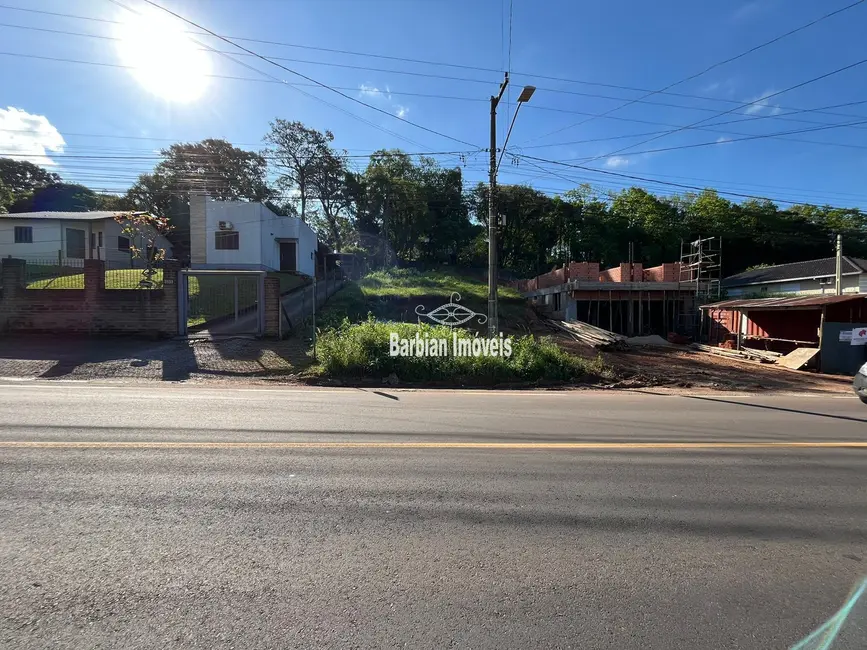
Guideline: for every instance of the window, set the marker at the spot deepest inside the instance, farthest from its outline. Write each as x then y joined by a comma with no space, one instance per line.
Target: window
226,241
23,234
100,239
123,244
75,243
823,281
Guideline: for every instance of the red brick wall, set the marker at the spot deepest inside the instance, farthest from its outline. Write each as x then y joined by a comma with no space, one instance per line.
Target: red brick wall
552,279
92,310
617,274
584,271
668,272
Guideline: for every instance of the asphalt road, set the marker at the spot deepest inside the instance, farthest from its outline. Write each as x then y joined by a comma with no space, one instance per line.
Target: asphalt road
192,517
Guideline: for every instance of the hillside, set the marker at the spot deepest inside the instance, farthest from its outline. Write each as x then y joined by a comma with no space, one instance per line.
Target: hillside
395,294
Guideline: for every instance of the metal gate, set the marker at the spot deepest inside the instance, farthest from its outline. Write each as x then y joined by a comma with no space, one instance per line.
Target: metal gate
221,303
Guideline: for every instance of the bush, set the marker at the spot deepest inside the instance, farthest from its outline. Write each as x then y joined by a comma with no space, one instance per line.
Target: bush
362,351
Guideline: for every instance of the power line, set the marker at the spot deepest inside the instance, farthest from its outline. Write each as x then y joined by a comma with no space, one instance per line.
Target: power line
719,141
608,172
303,76
731,110
534,107
711,67
405,72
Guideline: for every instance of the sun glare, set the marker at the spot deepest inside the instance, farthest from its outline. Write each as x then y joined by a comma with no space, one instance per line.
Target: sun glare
163,58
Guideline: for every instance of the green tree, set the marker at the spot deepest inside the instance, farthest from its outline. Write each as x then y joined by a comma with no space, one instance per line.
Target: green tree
299,153
59,197
213,166
6,198
20,176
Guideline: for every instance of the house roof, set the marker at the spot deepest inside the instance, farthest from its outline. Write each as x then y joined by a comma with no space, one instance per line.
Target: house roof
794,302
796,271
66,216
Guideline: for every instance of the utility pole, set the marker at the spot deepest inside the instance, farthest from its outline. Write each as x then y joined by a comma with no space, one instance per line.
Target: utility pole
492,215
838,280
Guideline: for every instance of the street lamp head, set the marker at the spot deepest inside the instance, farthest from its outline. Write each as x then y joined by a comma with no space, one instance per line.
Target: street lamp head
526,94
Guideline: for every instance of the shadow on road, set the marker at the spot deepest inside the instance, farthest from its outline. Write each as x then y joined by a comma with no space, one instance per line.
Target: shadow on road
129,358
774,408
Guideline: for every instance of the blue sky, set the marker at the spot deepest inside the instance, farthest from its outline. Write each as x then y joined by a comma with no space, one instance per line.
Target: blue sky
615,47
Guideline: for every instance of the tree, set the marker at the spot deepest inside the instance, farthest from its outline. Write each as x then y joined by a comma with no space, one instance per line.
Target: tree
20,176
299,152
112,203
213,166
143,229
58,197
218,168
6,198
329,185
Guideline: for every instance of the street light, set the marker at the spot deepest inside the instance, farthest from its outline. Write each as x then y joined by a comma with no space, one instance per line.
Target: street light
524,97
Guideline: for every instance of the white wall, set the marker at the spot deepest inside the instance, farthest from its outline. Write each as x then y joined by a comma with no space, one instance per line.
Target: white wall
275,228
798,287
47,239
259,234
246,220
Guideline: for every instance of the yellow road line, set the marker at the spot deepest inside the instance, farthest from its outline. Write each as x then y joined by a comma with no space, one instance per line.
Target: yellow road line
427,445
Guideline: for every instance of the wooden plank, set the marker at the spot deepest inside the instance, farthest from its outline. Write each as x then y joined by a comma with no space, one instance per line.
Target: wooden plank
799,358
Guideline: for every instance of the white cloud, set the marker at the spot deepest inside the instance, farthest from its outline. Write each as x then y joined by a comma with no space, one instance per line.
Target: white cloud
757,105
711,87
383,97
24,136
369,91
617,161
722,139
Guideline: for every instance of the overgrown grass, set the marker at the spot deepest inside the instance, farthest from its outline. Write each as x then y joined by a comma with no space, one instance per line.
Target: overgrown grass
393,295
361,351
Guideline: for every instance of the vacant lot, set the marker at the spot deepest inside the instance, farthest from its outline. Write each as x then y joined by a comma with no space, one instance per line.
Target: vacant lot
396,294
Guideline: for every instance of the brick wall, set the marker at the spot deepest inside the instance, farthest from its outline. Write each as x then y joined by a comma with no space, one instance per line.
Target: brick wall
669,272
552,279
272,308
621,273
92,310
584,271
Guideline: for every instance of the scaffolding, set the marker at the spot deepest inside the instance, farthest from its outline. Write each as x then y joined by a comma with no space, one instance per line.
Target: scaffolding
700,271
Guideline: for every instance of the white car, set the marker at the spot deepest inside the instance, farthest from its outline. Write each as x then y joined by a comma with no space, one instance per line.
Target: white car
860,383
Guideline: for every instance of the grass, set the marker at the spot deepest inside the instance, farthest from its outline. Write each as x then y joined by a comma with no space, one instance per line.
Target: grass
394,294
361,351
357,322
211,297
53,277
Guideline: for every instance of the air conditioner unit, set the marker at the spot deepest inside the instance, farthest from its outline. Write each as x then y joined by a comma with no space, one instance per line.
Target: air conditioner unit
225,225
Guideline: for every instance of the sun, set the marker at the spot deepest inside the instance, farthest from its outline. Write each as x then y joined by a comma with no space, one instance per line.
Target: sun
163,58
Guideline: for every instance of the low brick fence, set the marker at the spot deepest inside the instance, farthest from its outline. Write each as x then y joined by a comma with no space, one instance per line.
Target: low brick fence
91,310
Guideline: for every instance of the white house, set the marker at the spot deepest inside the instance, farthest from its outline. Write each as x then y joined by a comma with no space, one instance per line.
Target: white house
813,277
68,236
240,235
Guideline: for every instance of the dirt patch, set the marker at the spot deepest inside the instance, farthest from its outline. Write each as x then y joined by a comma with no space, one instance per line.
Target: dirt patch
678,367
